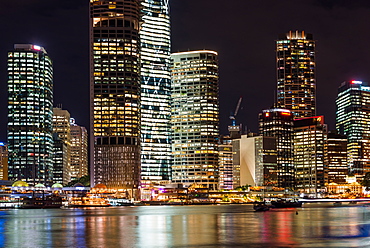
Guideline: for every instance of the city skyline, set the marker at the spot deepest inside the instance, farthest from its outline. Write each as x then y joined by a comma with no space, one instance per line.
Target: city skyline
331,28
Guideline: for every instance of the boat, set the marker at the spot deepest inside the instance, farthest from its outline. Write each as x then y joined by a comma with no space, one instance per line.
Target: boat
260,207
86,201
41,201
284,203
120,202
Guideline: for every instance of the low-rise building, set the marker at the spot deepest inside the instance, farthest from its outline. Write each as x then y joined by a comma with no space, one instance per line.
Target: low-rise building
254,161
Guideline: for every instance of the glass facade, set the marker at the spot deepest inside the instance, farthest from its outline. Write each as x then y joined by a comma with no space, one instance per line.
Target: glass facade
155,92
353,120
278,123
30,114
115,92
266,173
337,158
195,118
310,140
295,61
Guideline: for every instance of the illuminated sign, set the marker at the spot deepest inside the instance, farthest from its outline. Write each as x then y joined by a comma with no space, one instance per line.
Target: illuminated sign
285,113
2,144
34,47
267,114
356,82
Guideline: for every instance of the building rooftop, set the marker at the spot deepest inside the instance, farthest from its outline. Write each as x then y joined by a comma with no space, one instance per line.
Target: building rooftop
29,47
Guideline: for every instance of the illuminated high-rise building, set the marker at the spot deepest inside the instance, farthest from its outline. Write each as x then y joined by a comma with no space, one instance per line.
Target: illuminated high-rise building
155,92
296,83
115,93
353,120
337,158
310,140
195,118
62,146
225,163
30,114
278,123
61,173
79,157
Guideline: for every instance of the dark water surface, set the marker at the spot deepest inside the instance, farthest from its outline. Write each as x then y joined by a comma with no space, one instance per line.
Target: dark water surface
186,226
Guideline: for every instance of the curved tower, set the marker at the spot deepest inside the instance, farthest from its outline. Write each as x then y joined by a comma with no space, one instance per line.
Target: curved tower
30,114
195,118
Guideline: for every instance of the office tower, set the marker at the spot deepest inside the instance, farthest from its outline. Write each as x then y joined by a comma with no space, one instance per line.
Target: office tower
254,161
3,161
30,114
352,120
61,173
155,92
115,93
337,158
79,157
296,86
225,163
195,118
278,123
62,129
310,140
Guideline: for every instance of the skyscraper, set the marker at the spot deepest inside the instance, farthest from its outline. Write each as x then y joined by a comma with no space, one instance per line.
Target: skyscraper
115,93
296,83
62,129
353,120
195,117
310,140
79,158
155,92
30,114
278,123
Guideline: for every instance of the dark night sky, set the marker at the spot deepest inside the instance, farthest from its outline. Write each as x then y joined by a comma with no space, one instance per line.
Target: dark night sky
242,31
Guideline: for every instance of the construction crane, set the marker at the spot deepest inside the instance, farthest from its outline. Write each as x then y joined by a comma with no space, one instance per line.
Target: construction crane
234,130
232,116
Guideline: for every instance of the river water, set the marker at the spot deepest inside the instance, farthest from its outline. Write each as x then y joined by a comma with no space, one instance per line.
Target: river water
186,226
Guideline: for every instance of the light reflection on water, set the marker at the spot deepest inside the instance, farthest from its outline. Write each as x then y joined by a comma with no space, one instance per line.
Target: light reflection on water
186,226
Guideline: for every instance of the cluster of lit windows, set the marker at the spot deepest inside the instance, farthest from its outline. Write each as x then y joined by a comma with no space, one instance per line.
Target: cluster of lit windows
310,139
296,74
278,123
116,92
352,120
195,117
30,114
155,92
